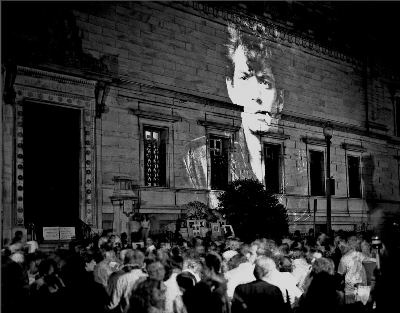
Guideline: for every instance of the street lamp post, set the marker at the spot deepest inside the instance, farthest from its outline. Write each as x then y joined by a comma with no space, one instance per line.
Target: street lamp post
328,135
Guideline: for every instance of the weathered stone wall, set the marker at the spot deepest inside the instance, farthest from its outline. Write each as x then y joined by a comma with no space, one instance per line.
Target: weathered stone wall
162,51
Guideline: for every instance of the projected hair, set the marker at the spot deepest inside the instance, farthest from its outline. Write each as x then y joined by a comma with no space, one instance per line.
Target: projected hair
255,48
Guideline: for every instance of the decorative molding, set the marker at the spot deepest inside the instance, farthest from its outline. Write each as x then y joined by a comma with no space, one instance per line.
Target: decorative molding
313,141
352,147
174,93
156,116
60,78
218,126
88,152
273,135
319,122
44,95
378,126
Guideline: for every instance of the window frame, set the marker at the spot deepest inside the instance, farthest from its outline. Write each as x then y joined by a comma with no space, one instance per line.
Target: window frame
280,171
323,176
165,128
360,187
224,138
163,135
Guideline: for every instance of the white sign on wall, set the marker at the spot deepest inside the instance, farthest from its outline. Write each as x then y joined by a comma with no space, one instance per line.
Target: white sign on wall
58,233
67,233
51,233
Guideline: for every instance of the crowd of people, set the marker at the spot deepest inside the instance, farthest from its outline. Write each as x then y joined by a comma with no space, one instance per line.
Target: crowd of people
109,274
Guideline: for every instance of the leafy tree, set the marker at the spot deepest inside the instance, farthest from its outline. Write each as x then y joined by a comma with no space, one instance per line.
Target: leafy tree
253,211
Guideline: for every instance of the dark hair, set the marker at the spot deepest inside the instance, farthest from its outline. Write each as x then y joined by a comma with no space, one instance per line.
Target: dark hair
186,280
213,261
255,48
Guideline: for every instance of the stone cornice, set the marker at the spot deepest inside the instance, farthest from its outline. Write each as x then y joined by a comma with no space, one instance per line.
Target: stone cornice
219,126
156,116
60,78
319,122
352,147
273,135
175,93
313,141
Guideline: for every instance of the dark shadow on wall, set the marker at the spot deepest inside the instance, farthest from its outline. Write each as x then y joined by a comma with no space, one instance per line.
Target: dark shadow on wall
42,33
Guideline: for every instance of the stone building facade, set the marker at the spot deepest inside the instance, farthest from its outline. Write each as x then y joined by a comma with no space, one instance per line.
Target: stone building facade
133,81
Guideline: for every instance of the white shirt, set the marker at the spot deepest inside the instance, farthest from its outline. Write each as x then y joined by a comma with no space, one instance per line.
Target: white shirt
242,274
285,281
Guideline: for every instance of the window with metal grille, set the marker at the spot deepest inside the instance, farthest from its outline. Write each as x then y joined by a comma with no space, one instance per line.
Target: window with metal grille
272,166
317,173
154,157
219,162
353,169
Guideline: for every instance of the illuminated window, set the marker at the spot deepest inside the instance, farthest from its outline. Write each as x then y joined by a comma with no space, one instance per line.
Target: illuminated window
219,162
353,168
272,166
154,156
317,173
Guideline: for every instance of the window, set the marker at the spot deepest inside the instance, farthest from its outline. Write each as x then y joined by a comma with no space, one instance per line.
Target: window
317,173
154,156
272,166
397,113
219,162
353,168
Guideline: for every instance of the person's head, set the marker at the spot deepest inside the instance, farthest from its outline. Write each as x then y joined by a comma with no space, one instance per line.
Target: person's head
149,242
89,261
134,257
156,270
193,265
323,265
250,81
264,266
186,281
354,243
212,264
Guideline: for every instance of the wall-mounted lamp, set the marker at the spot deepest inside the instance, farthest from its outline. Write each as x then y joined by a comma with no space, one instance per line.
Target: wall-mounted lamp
101,92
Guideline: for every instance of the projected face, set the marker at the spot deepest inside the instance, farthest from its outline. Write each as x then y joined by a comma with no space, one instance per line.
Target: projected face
253,87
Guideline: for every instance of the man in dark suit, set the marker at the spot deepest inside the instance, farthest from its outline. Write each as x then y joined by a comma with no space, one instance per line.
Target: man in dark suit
258,296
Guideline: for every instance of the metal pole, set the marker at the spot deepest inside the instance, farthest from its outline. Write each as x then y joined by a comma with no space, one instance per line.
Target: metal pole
315,211
328,186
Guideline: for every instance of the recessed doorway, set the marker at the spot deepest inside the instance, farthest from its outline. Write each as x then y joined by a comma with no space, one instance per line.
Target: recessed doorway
51,165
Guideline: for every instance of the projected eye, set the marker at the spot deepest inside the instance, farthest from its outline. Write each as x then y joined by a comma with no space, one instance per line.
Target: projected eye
266,83
245,76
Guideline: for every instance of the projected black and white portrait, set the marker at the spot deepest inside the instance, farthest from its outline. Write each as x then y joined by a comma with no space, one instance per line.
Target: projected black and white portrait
250,83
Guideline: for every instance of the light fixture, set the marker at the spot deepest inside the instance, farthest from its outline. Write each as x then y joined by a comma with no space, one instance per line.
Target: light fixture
328,130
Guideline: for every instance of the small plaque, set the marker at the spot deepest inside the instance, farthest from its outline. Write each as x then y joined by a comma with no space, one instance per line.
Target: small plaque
51,233
67,233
